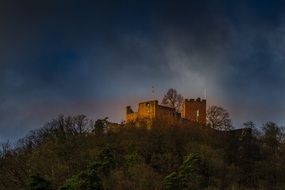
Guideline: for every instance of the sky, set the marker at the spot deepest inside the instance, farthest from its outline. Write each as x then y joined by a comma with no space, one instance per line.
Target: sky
97,57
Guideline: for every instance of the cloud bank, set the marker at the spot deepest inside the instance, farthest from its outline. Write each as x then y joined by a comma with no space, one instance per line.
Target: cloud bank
96,58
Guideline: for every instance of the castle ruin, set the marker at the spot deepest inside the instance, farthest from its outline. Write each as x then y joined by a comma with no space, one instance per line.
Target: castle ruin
193,111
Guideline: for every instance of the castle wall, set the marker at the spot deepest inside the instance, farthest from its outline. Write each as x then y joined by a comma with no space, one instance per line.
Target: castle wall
131,117
148,109
130,114
167,114
151,110
195,110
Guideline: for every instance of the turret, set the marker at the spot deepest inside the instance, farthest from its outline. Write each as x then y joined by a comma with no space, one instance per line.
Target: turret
195,110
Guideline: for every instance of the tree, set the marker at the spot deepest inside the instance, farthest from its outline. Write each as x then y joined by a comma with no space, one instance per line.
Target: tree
93,177
100,125
85,180
173,100
251,125
39,183
272,136
171,181
5,148
219,118
192,174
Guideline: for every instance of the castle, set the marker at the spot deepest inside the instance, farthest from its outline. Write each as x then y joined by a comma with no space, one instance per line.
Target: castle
193,110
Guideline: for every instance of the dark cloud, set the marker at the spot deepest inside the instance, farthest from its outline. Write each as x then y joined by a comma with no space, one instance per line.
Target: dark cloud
96,57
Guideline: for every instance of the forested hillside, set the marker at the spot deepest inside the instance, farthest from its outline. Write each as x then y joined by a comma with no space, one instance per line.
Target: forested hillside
74,153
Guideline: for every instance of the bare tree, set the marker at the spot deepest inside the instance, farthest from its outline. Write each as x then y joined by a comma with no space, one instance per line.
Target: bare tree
272,136
5,148
173,100
249,124
100,126
219,118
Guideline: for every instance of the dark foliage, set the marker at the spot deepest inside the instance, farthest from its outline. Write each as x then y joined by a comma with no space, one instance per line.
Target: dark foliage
65,154
39,183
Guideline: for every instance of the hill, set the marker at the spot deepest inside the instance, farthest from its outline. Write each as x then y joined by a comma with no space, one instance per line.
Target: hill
76,153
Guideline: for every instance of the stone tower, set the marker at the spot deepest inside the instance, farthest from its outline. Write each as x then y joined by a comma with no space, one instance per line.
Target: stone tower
195,110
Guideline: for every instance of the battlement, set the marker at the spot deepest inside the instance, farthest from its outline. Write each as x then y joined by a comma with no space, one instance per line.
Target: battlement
195,110
197,100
